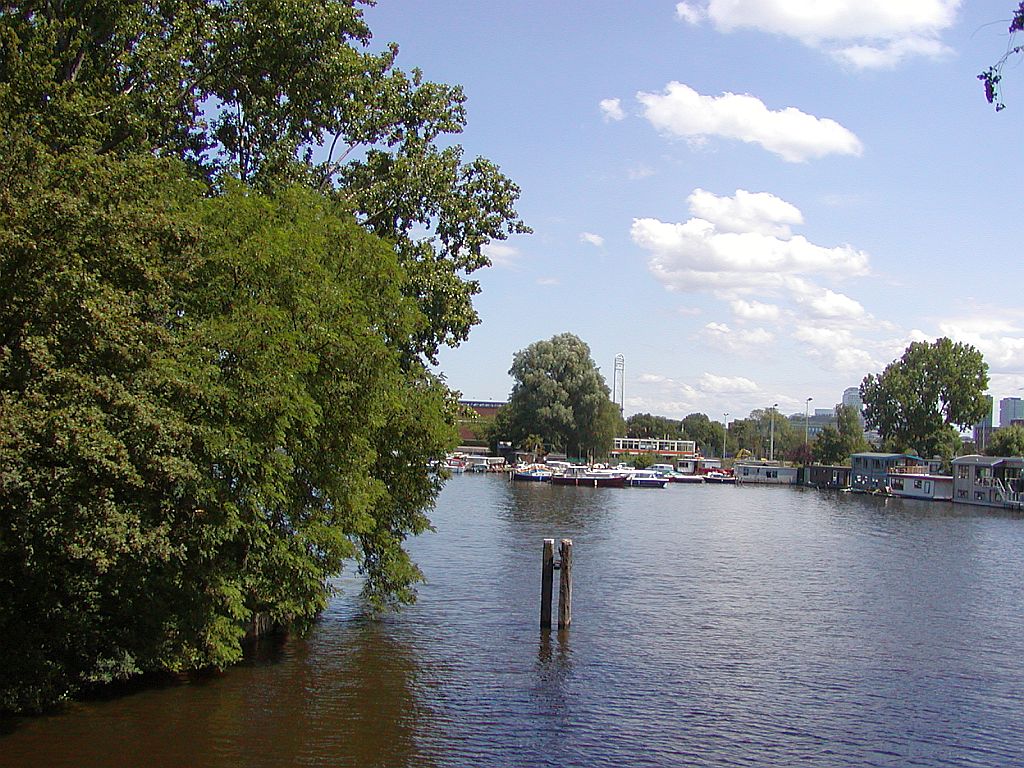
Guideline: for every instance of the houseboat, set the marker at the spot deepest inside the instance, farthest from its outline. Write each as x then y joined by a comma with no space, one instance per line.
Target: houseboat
909,484
989,481
765,474
869,471
828,476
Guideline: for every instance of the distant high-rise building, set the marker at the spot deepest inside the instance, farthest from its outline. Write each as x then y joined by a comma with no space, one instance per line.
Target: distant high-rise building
983,429
1010,409
851,398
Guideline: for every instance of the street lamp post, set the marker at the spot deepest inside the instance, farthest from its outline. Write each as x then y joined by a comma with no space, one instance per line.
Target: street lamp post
725,432
807,406
771,443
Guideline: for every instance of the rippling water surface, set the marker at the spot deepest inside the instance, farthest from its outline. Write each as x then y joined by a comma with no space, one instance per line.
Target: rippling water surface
711,626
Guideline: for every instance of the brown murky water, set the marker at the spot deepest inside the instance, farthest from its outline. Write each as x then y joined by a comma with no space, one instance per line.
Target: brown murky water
712,626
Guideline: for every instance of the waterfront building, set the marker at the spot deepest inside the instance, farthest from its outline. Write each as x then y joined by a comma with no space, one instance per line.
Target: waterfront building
826,476
475,415
653,446
765,473
990,481
870,470
915,483
1010,409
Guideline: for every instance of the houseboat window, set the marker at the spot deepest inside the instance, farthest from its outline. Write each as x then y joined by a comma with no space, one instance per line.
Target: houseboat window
917,483
961,494
963,471
928,486
979,495
896,483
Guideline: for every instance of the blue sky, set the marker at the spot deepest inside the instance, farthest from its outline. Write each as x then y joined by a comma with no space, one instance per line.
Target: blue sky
753,201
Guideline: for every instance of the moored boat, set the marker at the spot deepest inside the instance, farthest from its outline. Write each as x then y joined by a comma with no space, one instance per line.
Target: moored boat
594,478
682,477
533,473
721,478
646,478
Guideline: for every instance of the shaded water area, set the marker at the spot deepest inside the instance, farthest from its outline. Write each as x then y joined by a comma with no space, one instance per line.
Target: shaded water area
712,625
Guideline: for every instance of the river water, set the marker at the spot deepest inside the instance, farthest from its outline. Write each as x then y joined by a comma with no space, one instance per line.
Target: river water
712,625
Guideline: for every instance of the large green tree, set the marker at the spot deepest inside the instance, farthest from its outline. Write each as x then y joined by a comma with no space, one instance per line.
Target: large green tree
648,425
921,400
232,239
274,92
560,395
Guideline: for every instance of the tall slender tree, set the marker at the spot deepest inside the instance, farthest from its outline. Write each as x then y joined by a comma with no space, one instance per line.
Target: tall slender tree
560,394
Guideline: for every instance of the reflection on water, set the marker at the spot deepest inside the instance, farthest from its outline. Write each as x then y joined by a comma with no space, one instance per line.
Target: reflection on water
711,625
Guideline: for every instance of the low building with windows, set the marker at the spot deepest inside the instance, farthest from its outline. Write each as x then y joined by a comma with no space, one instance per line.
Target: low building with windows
672,450
766,473
828,476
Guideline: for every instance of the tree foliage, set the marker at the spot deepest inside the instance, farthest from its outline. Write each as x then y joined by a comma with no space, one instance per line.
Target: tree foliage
919,401
835,444
647,425
705,433
232,240
1007,441
560,394
272,93
992,76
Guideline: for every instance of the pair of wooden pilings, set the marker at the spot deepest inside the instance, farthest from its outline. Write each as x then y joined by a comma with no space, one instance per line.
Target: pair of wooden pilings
547,578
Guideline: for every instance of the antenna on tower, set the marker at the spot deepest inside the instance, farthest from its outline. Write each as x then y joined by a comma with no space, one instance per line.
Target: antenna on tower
618,382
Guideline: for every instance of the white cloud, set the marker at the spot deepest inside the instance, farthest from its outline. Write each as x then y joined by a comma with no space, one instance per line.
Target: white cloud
590,237
689,13
612,109
501,254
822,338
890,55
793,135
882,32
710,383
547,281
755,311
744,340
998,336
755,252
836,349
637,172
829,305
652,378
746,212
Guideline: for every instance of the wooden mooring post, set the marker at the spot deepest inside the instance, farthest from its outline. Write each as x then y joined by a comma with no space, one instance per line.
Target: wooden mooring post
565,584
547,579
547,583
